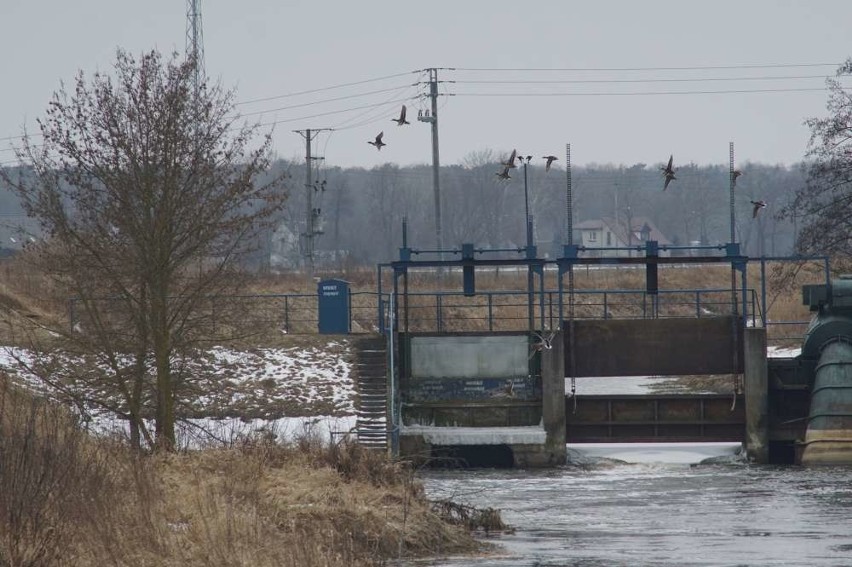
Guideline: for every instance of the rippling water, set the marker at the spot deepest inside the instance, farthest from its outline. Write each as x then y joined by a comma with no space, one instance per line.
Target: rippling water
604,513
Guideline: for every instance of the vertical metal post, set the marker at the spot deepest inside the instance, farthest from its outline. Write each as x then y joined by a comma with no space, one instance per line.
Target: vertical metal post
490,312
569,229
527,206
763,290
286,314
380,300
394,299
736,329
528,230
744,299
732,183
404,301
392,418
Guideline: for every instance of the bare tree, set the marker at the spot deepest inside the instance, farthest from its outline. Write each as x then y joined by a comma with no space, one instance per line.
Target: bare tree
824,204
148,191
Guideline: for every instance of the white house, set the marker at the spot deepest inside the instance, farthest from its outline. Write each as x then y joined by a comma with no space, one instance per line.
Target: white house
608,233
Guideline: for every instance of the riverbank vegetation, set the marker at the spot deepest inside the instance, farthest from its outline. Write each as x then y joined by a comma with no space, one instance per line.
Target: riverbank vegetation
68,498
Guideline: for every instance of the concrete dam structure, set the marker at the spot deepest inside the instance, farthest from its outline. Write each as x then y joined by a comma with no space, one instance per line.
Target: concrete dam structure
501,396
480,375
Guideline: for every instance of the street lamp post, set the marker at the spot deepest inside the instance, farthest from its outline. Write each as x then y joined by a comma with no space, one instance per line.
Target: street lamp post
527,225
529,249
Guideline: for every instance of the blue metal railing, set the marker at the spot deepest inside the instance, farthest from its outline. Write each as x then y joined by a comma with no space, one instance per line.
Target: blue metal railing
506,310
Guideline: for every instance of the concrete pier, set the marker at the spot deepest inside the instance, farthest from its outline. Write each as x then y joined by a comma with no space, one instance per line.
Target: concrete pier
553,399
756,385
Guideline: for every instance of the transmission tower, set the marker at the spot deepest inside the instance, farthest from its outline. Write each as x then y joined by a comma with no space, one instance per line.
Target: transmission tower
195,42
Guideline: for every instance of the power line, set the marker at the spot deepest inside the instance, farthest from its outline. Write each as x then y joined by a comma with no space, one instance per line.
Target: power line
324,101
642,93
607,81
340,111
378,114
334,112
608,69
311,91
284,121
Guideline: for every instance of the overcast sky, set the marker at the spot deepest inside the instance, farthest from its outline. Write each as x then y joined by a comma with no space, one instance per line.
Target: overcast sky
274,48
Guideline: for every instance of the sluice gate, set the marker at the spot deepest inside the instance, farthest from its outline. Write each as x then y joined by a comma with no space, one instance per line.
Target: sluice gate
662,418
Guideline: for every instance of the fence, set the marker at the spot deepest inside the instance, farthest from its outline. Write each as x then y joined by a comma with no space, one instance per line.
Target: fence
293,313
490,311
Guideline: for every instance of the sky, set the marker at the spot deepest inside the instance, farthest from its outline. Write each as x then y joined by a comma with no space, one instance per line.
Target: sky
526,76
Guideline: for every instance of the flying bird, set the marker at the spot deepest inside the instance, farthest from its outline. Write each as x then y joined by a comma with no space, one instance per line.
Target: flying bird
378,143
541,343
668,173
736,174
757,206
510,163
504,174
401,120
550,160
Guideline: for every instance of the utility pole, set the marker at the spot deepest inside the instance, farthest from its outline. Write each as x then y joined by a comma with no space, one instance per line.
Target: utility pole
436,161
310,230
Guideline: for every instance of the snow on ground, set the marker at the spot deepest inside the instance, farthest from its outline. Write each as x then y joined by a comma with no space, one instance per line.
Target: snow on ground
282,392
269,382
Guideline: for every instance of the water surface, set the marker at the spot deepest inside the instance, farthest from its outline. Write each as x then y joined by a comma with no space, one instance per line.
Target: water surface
603,513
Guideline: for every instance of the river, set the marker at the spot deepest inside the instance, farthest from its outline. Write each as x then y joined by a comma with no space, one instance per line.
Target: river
662,509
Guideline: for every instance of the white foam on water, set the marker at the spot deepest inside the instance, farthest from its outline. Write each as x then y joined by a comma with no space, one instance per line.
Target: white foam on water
675,453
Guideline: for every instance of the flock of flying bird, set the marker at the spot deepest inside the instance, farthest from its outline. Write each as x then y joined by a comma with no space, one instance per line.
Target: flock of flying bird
668,170
669,176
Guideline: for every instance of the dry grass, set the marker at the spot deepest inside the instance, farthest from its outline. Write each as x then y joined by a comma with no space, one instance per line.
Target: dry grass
260,321
69,499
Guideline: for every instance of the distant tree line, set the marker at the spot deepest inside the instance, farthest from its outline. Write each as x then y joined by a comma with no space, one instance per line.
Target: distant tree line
362,210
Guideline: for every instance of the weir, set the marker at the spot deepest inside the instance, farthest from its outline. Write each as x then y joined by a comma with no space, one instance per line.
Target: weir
500,396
